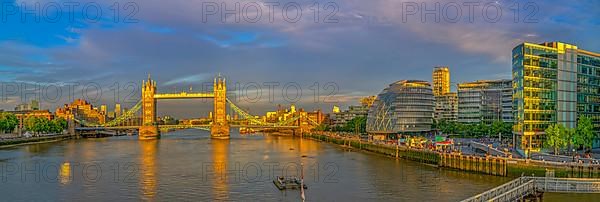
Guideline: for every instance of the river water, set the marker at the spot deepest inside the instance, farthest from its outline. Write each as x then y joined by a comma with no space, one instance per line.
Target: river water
188,165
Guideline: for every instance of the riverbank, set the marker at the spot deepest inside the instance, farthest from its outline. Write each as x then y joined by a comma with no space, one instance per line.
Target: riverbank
499,166
33,140
485,165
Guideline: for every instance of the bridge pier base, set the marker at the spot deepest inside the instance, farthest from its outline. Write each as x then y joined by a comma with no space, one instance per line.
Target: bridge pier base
148,133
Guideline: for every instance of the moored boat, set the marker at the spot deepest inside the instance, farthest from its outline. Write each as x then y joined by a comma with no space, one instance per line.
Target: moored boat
283,183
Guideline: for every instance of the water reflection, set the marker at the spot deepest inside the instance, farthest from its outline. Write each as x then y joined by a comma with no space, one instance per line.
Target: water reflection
219,165
65,173
148,168
175,168
219,161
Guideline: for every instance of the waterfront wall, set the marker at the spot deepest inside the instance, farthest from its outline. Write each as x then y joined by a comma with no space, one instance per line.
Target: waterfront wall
485,165
22,141
498,166
522,167
490,165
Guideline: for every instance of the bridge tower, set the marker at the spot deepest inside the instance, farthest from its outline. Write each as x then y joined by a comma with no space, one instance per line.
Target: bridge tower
148,129
220,127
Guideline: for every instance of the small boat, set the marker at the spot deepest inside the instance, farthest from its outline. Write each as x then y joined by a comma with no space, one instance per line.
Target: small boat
283,183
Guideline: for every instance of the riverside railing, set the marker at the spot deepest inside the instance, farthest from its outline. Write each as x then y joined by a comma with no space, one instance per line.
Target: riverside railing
528,186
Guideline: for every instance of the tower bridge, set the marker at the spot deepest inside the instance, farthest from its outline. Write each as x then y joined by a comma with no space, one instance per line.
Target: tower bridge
219,126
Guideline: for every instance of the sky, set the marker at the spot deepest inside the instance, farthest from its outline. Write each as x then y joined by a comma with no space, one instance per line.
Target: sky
314,54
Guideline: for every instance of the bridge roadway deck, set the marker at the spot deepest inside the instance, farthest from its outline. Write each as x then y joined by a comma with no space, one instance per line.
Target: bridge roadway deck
525,186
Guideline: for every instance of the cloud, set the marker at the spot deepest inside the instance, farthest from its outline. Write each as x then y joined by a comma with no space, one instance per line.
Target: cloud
369,47
193,79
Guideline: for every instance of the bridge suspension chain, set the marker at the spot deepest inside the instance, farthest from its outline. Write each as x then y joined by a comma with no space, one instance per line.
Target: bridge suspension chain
245,114
129,114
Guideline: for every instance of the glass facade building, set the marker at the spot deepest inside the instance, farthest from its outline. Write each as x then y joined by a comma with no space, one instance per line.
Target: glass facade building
485,101
446,107
553,82
404,107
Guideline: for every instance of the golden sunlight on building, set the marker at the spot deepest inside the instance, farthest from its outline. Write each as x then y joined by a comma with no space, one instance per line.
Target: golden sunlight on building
441,81
82,110
336,109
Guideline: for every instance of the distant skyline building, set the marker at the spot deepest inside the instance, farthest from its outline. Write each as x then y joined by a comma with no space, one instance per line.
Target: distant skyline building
340,118
103,109
33,105
117,110
403,108
485,101
336,109
367,101
554,82
82,110
441,80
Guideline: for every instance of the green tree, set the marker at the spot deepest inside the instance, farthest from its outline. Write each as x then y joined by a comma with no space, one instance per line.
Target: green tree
44,125
585,134
39,125
322,127
359,123
569,135
508,128
30,123
556,137
497,128
8,122
58,125
448,127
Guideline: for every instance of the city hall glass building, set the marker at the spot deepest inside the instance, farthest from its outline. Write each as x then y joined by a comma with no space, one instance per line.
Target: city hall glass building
553,83
403,108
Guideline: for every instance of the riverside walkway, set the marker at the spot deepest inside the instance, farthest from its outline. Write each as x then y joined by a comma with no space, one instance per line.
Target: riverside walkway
523,187
488,149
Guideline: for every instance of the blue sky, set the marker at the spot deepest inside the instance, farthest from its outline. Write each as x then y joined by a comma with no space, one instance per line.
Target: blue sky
367,46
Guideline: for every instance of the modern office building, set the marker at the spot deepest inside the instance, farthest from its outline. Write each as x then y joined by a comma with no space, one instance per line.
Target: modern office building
403,108
441,81
340,119
446,102
553,82
485,101
446,107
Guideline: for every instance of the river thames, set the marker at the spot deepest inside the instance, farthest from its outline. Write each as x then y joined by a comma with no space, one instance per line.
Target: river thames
189,165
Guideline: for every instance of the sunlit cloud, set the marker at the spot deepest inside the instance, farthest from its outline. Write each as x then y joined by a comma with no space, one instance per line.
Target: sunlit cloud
193,79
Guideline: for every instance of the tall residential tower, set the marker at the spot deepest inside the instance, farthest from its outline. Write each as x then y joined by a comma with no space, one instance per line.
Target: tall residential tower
441,81
446,102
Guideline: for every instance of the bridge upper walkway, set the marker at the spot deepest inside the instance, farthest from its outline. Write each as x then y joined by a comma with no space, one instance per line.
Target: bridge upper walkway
183,95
